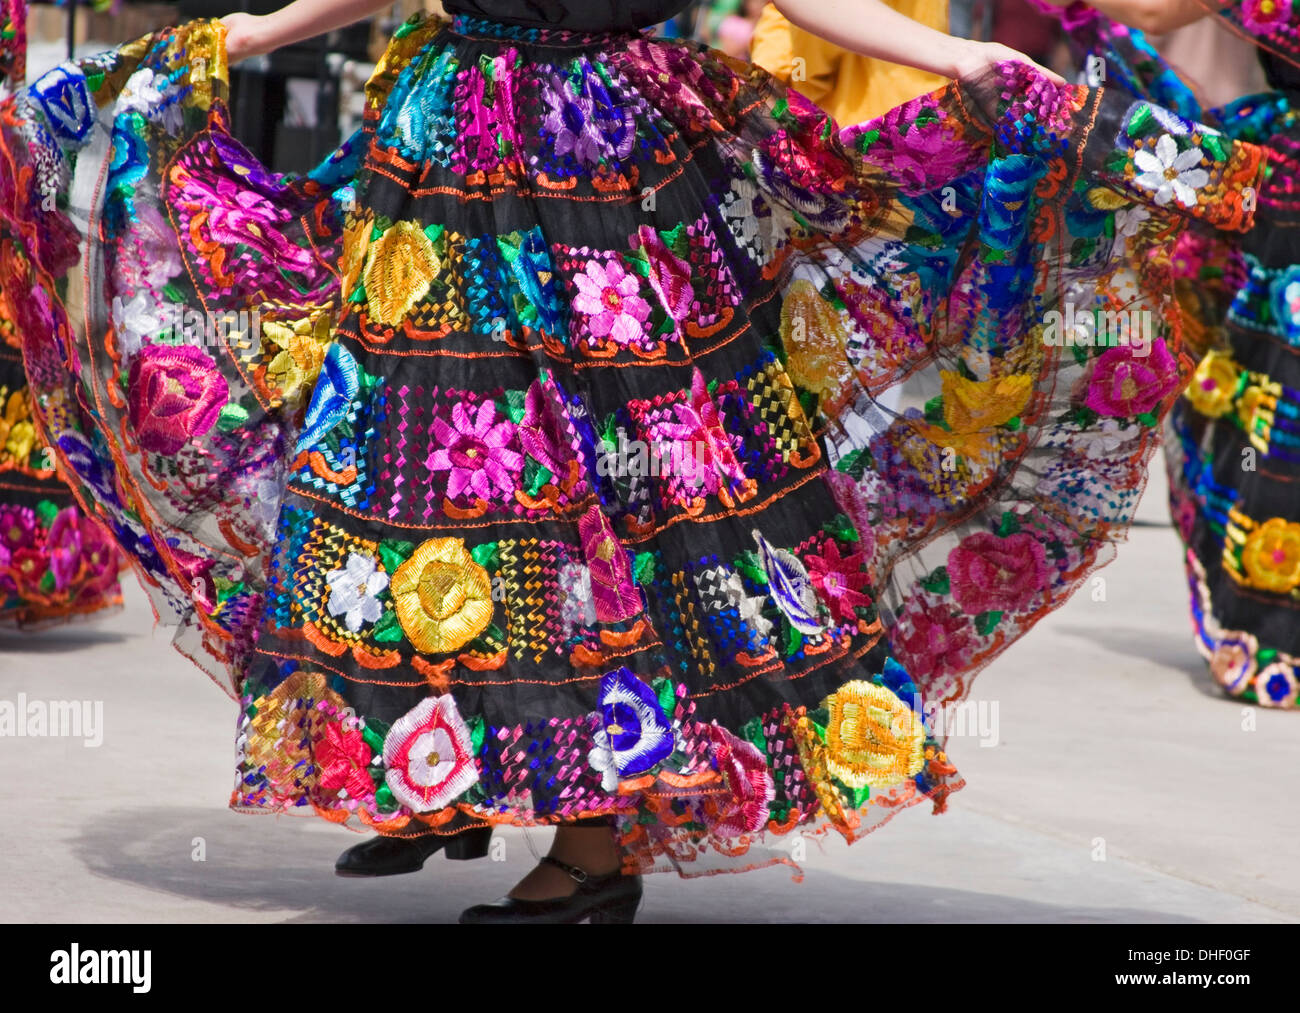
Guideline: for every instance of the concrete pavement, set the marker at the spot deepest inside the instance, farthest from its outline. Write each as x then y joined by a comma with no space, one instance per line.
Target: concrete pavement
1123,788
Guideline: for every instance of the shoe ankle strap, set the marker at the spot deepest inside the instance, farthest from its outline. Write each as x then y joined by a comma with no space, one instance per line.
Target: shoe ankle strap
576,874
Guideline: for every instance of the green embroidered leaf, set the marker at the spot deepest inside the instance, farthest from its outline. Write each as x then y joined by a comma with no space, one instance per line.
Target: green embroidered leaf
643,568
1008,525
388,630
752,731
937,581
867,138
46,512
232,417
667,694
1139,121
486,556
393,554
535,476
1147,419
791,639
986,622
934,411
841,529
477,732
747,565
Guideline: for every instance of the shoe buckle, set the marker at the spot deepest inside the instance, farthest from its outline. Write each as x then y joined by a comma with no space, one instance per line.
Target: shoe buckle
579,876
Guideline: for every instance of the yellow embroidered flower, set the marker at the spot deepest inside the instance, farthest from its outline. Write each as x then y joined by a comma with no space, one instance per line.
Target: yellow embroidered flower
17,434
442,597
873,738
400,265
302,344
1213,385
356,241
1271,556
974,409
812,333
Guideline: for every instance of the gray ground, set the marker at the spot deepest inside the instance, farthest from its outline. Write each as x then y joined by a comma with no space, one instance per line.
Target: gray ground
1122,788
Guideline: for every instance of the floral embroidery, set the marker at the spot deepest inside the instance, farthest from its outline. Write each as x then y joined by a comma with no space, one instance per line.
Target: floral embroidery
1271,555
635,735
873,738
427,754
400,266
442,596
354,591
475,452
1171,174
176,393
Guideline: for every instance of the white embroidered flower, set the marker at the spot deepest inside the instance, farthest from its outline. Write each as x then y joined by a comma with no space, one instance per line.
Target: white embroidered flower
1101,441
578,606
133,322
601,759
141,93
354,590
750,608
1128,221
1169,174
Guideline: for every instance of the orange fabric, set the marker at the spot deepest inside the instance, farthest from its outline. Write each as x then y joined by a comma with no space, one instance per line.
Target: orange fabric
852,88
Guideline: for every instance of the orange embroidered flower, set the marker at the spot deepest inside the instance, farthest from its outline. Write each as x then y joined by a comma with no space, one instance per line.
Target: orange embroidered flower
443,598
1271,556
1213,385
356,242
873,738
400,266
812,332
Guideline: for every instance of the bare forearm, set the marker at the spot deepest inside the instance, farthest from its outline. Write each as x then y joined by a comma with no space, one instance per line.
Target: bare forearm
303,19
874,29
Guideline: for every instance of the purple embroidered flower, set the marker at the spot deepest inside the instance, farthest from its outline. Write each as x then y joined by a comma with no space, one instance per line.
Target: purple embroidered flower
475,452
587,126
17,527
635,733
610,298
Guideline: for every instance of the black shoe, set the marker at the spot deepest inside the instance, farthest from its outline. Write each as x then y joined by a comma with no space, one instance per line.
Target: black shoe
605,900
393,856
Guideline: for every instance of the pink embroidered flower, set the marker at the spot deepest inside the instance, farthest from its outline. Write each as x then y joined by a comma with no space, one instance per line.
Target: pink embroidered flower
840,580
101,556
17,527
541,430
1124,384
699,449
475,452
428,753
749,780
343,757
175,394
990,573
1264,16
617,596
670,276
915,146
6,582
850,499
64,547
934,641
610,297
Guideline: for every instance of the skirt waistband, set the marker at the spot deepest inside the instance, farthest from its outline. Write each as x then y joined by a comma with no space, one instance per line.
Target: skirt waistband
482,28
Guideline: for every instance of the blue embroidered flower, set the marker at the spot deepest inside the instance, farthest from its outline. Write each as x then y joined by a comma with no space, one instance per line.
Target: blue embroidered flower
65,100
1284,299
635,733
337,388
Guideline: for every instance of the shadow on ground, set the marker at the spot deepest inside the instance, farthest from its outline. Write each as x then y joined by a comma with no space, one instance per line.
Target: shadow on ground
1173,650
275,865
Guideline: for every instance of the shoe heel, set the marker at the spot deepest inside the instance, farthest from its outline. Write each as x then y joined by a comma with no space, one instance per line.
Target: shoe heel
469,844
620,912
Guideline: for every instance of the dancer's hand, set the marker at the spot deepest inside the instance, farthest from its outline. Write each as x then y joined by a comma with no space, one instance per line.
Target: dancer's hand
980,56
246,36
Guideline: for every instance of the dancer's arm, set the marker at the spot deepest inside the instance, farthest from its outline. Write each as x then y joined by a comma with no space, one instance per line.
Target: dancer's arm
252,35
1154,17
872,28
